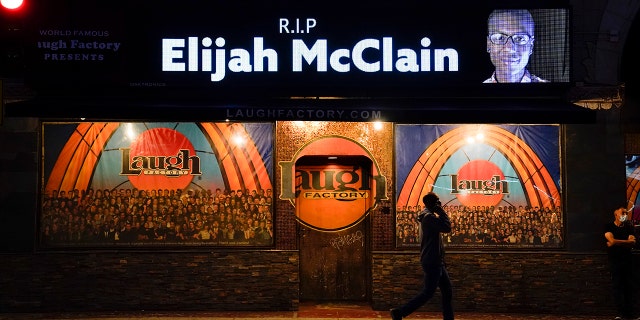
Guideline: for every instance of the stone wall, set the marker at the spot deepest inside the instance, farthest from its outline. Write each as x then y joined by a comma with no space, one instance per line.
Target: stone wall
515,282
227,280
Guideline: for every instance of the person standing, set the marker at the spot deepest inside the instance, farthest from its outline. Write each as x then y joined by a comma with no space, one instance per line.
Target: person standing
620,240
510,44
433,221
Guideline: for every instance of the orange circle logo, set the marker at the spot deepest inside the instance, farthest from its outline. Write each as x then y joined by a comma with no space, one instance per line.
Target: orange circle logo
162,156
332,197
479,183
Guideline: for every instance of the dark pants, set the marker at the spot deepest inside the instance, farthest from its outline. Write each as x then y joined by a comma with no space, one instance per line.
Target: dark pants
434,277
622,282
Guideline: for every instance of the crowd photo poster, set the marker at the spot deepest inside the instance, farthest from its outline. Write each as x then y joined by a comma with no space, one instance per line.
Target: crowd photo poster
109,184
500,184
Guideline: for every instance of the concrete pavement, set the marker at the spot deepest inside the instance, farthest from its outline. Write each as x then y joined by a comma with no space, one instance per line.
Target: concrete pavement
325,311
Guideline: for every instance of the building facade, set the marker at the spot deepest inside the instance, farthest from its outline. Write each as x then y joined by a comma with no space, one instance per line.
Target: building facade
317,192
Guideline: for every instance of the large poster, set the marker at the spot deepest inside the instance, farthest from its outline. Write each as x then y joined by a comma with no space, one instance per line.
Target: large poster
500,184
156,184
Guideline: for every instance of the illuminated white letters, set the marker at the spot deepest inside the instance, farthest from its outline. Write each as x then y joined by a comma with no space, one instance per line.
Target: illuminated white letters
193,54
283,26
372,55
240,60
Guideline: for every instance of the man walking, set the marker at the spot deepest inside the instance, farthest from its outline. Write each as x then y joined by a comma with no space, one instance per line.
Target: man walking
433,221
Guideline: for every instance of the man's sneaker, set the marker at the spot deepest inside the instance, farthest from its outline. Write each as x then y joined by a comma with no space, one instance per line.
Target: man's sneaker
617,318
396,314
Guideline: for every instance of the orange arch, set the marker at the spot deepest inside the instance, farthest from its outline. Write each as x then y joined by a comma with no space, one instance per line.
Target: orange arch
77,160
633,186
242,167
535,178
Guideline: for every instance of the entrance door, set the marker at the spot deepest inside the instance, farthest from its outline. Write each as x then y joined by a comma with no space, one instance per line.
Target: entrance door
332,203
333,265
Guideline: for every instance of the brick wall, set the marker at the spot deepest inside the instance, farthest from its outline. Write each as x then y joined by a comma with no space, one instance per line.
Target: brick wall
233,280
517,282
525,282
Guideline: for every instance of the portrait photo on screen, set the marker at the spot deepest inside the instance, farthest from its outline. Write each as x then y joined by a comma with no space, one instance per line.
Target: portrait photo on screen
528,45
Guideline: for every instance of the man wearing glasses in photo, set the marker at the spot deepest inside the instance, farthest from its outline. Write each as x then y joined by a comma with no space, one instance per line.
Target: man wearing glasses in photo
509,44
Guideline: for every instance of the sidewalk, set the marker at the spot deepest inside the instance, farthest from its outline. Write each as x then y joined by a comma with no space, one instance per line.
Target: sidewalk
326,311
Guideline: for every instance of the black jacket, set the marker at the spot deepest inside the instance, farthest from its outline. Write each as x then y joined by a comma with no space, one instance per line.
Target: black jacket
431,247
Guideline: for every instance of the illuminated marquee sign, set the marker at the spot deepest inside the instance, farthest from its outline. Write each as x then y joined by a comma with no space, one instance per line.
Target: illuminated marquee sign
296,49
303,56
